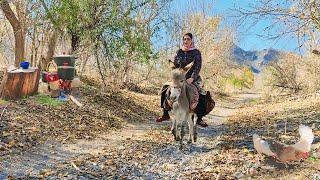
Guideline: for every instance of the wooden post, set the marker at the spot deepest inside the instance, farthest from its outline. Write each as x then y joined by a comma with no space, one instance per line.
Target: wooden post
20,83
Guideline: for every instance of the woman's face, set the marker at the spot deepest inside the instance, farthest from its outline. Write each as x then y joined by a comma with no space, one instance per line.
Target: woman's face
187,41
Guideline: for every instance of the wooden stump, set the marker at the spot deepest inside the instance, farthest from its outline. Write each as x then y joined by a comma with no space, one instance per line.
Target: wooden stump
20,83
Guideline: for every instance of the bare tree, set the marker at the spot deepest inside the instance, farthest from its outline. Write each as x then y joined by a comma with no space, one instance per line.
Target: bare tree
300,18
18,29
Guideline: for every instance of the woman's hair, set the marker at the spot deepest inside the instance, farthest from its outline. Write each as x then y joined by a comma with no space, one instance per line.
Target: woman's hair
188,34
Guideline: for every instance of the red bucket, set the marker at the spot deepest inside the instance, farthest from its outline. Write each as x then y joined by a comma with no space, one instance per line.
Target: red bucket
49,77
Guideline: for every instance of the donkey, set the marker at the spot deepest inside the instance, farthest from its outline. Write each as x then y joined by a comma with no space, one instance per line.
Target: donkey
184,98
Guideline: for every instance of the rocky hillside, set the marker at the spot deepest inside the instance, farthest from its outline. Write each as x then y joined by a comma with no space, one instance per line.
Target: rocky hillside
257,60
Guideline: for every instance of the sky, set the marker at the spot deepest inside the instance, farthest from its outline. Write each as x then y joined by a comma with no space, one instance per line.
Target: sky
247,40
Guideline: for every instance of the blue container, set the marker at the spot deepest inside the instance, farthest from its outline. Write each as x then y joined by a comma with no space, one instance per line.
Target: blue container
24,65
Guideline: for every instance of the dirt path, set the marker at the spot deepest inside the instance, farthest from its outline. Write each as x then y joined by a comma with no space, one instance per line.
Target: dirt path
162,152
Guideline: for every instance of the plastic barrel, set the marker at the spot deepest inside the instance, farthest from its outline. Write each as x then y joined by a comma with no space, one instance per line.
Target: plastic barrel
65,64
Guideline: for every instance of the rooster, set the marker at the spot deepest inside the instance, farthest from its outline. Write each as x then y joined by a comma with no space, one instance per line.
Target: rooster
283,152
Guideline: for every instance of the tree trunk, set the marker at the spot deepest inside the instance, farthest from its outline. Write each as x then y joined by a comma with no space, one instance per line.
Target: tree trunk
51,49
84,58
20,83
33,46
75,41
126,72
19,35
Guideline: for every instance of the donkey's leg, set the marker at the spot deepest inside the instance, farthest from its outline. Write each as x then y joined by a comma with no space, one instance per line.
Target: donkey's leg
182,131
194,121
191,129
178,129
174,129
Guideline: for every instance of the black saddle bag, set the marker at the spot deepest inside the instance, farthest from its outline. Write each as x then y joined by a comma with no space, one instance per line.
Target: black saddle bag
209,102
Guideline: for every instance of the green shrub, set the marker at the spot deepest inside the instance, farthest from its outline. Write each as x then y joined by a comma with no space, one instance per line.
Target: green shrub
47,100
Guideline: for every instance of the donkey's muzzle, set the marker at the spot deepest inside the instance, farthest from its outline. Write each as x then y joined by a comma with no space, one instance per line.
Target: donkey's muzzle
173,98
174,94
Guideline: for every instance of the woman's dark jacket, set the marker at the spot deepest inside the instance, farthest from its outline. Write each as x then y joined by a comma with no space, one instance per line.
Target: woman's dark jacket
184,58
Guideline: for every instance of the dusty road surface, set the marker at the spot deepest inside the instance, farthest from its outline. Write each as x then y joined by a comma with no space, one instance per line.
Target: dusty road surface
140,150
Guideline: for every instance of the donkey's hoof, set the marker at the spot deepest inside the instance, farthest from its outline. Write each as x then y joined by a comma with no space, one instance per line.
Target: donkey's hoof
177,138
173,132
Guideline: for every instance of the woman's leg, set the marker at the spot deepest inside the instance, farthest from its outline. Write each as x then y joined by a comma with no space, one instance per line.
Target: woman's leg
201,110
201,107
165,115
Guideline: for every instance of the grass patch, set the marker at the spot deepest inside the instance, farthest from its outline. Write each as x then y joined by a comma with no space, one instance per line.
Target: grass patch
47,100
312,159
3,102
255,101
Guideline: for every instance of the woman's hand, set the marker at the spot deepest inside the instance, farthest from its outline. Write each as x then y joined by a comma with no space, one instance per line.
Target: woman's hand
190,80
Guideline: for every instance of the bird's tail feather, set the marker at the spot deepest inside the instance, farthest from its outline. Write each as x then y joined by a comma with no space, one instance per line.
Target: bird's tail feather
306,133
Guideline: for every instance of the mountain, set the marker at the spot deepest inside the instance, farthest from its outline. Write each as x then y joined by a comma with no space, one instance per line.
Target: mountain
256,60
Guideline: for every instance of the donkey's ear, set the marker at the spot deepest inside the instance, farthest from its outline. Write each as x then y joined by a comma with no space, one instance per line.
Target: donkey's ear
187,67
171,64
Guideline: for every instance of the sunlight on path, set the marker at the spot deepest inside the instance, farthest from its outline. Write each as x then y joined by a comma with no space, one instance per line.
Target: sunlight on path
226,108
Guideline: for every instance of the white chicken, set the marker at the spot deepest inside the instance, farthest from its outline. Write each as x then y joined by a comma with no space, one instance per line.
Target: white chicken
283,152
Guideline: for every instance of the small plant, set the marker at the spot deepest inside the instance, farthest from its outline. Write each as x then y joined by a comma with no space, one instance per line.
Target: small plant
248,77
312,158
236,82
243,80
47,100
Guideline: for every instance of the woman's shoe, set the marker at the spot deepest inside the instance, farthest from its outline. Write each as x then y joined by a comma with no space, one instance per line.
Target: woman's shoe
163,118
202,123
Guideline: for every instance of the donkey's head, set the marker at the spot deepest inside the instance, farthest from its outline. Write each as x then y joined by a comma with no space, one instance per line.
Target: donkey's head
178,80
178,77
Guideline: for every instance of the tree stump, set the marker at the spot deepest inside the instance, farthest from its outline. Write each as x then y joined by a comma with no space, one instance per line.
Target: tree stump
20,83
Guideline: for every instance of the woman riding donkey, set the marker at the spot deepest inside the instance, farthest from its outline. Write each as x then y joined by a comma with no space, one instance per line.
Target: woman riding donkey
186,55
